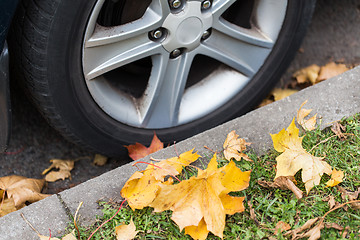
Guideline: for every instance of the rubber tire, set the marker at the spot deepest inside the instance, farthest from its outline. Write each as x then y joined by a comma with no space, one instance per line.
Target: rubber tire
47,42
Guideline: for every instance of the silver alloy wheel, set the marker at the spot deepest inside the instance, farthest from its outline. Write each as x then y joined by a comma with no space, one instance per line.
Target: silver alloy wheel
166,101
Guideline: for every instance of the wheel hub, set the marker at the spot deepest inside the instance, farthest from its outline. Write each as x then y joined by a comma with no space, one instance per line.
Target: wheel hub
186,27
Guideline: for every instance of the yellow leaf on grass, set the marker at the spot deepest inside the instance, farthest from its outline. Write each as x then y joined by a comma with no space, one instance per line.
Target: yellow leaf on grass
331,70
142,187
138,151
308,74
336,178
302,114
64,166
203,198
294,158
22,189
126,232
199,232
234,147
279,93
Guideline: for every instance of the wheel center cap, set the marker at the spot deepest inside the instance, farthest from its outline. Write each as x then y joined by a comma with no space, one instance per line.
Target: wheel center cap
189,30
186,27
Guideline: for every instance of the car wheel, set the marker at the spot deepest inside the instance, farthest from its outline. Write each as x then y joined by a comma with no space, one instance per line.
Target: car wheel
110,72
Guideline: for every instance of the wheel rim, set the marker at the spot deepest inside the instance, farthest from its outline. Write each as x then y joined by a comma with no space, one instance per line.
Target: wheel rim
167,48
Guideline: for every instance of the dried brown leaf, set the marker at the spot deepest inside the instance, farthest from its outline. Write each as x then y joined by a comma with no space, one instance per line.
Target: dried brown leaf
307,75
234,147
100,160
338,129
279,93
350,196
284,183
308,124
281,226
64,166
22,189
331,70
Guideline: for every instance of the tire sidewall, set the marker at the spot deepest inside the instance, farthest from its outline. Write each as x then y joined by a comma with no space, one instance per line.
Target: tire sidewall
82,116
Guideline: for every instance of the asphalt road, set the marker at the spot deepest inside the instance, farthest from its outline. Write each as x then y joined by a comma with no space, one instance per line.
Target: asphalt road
332,36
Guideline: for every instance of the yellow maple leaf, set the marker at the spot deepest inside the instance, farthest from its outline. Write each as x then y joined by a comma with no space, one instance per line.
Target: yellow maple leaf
280,93
21,189
294,158
308,74
142,187
200,203
126,232
308,124
336,178
331,70
234,147
64,166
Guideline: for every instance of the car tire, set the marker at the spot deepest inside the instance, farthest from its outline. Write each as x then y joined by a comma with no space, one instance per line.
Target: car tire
52,42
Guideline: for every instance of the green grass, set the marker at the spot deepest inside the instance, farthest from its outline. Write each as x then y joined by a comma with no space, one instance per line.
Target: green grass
270,205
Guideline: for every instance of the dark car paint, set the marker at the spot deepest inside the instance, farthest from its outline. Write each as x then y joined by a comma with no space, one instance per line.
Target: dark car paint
7,11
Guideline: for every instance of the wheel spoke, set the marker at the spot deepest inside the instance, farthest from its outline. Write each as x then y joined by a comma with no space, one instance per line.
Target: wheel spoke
160,105
106,35
101,59
220,6
252,36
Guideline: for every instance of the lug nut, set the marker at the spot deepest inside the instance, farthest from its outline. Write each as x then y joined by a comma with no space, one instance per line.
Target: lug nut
175,53
157,34
206,4
175,3
205,35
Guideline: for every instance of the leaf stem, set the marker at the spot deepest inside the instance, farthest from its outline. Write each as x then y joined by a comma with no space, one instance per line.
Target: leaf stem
107,220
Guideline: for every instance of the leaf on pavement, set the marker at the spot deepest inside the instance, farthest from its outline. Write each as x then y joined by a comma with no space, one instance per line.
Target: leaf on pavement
331,70
100,160
308,124
21,189
70,236
126,232
279,93
294,158
200,203
284,183
336,178
307,75
234,147
142,187
138,151
7,205
64,166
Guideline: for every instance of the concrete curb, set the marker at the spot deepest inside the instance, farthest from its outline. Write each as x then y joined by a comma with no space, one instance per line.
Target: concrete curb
332,100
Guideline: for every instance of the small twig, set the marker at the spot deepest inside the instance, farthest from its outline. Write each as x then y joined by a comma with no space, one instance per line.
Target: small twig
325,140
14,153
156,167
177,154
107,220
22,215
206,147
75,219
